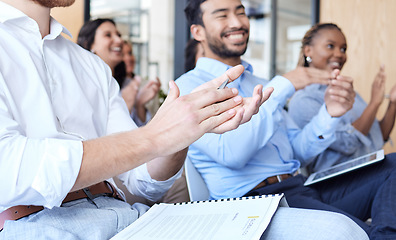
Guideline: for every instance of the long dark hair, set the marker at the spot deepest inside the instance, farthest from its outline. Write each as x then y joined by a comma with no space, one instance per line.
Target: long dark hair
309,36
190,53
86,38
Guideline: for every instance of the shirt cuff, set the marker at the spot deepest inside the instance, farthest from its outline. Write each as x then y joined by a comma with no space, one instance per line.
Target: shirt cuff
58,170
150,188
283,89
324,126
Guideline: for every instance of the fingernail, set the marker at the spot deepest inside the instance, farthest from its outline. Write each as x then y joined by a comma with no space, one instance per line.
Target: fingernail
231,111
235,91
238,99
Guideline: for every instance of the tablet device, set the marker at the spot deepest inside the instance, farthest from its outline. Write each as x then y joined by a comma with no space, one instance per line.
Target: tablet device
345,167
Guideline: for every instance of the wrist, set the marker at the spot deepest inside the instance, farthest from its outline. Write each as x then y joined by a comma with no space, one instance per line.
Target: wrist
374,104
150,141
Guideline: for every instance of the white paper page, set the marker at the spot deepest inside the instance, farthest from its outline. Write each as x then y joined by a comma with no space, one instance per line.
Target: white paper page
238,219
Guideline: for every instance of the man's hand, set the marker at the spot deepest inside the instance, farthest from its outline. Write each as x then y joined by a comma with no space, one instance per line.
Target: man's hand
252,104
182,120
304,76
339,96
249,106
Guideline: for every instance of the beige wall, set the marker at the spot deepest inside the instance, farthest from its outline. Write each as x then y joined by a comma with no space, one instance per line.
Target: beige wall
71,17
371,35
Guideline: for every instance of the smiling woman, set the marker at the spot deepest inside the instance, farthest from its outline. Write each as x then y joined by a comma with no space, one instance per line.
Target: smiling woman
358,133
101,37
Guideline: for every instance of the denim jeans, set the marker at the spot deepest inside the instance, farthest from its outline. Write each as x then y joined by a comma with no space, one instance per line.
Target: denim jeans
79,219
360,194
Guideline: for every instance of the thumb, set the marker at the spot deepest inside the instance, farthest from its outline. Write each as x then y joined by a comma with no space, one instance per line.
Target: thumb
335,73
138,79
173,93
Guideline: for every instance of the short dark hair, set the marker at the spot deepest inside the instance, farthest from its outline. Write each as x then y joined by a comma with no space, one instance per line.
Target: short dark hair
86,36
193,12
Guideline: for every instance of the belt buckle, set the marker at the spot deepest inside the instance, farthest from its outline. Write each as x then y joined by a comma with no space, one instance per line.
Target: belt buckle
89,194
92,196
279,178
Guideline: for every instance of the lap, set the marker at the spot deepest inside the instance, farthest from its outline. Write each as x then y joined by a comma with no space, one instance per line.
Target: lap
79,219
295,223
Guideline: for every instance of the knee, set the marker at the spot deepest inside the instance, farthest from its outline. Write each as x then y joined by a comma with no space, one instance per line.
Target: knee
342,227
297,223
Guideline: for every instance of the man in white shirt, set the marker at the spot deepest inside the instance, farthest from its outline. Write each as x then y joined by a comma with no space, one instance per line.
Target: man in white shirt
65,130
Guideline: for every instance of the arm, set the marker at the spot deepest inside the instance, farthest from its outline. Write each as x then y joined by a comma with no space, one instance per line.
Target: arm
319,133
235,148
179,122
303,76
388,121
146,94
365,121
130,92
347,139
42,170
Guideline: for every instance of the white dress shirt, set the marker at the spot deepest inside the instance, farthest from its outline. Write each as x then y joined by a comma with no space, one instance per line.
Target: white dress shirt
54,95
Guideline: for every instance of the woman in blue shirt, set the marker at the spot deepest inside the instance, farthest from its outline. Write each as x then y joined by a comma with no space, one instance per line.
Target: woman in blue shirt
359,132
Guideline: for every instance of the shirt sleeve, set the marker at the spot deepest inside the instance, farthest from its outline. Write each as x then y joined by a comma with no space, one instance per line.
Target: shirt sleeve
347,139
36,171
314,137
235,148
138,181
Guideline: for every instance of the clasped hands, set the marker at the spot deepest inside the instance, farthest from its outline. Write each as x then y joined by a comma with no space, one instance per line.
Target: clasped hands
182,120
339,95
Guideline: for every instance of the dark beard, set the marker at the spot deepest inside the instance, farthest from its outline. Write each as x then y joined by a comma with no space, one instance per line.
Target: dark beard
221,50
54,3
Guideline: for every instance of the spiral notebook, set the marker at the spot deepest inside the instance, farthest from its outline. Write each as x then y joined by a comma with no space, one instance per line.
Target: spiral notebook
234,218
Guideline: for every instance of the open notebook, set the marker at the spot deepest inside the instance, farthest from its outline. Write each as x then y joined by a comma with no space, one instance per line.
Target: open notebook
236,218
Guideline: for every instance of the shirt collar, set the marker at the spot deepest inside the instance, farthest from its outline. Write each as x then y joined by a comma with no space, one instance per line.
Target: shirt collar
56,29
9,13
216,67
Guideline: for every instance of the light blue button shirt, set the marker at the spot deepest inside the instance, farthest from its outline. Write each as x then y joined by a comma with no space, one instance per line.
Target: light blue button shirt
269,144
350,142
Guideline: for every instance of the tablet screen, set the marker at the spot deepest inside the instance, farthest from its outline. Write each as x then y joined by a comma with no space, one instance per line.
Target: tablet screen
345,167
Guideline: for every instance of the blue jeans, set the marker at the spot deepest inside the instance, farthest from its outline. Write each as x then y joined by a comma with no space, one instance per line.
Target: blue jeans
360,194
79,219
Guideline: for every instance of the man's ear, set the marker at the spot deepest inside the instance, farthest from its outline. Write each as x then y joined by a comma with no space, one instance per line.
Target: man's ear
197,31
